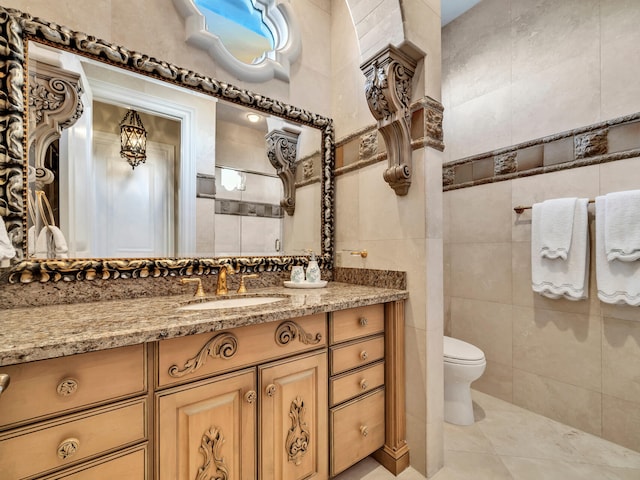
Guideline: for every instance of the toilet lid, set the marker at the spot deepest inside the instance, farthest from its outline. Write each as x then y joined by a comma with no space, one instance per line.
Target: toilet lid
455,349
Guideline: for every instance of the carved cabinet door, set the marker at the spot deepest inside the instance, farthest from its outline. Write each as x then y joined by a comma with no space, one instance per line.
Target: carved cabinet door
207,430
293,418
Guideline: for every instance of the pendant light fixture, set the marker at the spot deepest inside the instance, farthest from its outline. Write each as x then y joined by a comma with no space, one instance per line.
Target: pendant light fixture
133,139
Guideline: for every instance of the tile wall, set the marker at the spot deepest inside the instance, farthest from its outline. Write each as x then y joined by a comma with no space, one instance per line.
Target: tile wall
576,362
513,71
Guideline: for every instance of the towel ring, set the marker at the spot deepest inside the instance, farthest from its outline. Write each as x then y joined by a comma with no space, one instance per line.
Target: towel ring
43,202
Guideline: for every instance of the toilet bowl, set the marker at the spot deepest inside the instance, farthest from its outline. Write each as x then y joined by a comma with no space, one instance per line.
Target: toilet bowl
463,363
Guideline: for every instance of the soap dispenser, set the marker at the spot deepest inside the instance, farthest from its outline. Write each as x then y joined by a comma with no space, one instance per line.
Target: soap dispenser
313,271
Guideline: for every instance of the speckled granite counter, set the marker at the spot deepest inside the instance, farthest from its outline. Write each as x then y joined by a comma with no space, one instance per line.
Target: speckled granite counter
39,333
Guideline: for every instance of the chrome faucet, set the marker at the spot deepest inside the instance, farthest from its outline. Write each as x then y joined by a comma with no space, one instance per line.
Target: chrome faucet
223,271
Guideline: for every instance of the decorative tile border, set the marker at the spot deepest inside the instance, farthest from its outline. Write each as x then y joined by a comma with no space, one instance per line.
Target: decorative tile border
364,147
602,142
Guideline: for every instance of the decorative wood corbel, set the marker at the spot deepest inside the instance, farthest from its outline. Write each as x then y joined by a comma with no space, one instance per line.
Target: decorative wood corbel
54,104
282,150
388,92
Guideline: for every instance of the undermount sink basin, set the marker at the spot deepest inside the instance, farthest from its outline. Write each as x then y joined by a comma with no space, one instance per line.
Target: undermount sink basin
231,303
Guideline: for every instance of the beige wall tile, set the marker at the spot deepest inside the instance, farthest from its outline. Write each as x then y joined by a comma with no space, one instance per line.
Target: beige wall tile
481,214
487,325
481,271
560,401
435,377
417,440
623,137
347,209
620,37
497,381
481,124
559,98
385,215
621,359
563,346
621,422
435,452
546,35
620,175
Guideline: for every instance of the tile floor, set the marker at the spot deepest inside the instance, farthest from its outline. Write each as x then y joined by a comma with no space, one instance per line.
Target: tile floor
510,443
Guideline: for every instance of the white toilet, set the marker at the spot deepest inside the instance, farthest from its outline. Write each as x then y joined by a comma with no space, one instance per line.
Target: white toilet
463,364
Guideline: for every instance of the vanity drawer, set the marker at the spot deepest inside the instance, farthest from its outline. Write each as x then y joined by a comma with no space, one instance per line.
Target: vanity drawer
46,388
356,354
44,447
130,464
198,356
350,385
357,430
356,322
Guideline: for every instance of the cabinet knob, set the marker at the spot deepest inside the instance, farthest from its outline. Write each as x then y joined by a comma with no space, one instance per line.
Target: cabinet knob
363,384
68,448
5,380
364,430
363,321
250,396
270,390
364,355
67,387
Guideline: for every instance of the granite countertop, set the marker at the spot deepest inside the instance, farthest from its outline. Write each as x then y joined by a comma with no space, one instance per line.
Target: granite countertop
39,333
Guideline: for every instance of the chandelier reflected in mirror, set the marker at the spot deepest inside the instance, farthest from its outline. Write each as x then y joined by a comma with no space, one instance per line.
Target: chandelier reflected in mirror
133,139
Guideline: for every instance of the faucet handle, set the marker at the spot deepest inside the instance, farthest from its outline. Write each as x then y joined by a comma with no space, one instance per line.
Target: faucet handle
199,291
242,288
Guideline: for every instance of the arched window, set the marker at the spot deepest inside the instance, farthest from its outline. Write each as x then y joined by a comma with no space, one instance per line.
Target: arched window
256,40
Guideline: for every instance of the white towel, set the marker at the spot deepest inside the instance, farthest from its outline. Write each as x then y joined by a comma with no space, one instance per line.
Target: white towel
51,243
556,226
31,241
556,278
7,251
622,226
618,282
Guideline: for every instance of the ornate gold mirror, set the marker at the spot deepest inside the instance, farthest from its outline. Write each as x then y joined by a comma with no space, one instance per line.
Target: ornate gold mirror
185,114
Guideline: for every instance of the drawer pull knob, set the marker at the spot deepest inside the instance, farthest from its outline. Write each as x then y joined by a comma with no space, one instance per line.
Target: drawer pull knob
250,396
364,430
270,390
68,448
363,321
67,387
364,355
364,385
5,380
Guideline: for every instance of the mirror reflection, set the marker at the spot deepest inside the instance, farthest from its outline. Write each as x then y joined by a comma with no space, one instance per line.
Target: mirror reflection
207,182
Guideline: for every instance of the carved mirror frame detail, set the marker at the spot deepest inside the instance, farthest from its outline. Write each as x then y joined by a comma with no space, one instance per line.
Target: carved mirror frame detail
16,29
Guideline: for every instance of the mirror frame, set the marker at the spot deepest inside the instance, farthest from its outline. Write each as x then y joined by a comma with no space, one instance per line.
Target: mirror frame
16,30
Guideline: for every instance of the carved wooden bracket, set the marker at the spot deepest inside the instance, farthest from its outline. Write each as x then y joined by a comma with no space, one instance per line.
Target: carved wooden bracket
282,150
289,330
388,91
54,104
223,346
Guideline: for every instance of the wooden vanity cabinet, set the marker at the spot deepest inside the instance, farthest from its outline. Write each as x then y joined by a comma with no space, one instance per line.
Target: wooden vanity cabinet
76,417
357,351
266,420
300,398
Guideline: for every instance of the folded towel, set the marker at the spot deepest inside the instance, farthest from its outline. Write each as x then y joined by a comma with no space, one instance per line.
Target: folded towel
51,243
557,278
622,226
556,226
618,282
7,251
31,240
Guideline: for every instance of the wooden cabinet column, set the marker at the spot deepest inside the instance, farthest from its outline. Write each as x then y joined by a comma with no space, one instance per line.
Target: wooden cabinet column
394,455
